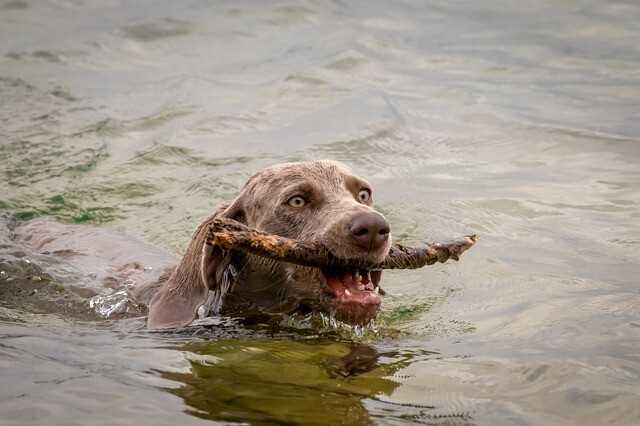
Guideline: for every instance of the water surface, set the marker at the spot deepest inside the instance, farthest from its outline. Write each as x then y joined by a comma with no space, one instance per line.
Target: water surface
519,122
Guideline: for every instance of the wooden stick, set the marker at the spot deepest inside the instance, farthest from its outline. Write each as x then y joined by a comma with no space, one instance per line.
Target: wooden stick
230,234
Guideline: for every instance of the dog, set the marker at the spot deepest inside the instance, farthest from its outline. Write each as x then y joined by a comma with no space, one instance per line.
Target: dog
311,201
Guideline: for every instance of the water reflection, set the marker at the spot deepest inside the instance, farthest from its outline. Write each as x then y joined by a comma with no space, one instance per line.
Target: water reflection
515,120
285,382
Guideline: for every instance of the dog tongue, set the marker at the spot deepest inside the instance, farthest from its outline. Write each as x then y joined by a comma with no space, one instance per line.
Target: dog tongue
348,289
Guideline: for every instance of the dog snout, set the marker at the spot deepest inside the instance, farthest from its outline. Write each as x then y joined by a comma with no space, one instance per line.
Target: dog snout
369,230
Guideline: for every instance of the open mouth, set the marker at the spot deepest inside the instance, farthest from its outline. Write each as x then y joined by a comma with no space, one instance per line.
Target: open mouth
356,294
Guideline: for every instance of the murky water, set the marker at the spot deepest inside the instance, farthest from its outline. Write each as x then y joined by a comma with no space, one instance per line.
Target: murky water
520,122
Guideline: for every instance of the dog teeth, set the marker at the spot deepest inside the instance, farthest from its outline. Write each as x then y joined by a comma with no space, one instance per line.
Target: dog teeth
377,290
361,287
376,276
357,277
347,292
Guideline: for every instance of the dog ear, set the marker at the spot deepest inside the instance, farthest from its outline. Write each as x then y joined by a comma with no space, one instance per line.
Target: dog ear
199,283
216,269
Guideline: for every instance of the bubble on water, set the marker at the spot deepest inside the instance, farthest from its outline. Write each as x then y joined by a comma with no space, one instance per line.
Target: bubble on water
114,303
3,275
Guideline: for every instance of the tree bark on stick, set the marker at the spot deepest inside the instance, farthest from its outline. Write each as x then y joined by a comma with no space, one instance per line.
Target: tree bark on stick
230,234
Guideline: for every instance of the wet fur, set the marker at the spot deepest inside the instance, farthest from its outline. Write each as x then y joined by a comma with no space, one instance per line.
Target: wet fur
210,280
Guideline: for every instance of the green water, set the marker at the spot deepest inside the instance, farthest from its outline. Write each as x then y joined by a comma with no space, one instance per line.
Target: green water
519,122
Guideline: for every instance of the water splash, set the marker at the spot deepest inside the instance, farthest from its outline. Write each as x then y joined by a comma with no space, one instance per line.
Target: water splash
116,303
329,323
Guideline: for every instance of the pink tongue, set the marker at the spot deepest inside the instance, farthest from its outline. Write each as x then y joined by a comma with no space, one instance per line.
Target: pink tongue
346,291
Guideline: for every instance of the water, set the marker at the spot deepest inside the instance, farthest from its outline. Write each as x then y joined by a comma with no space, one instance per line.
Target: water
519,122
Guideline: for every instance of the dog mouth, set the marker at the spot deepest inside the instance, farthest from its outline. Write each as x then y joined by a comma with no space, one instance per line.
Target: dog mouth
354,294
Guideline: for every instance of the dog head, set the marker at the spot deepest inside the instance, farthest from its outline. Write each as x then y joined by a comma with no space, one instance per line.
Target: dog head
313,201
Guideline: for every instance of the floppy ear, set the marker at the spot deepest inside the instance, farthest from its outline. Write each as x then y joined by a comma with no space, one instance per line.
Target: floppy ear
216,270
199,282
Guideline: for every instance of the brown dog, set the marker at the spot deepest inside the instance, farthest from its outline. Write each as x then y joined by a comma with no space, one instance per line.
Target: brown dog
311,201
319,201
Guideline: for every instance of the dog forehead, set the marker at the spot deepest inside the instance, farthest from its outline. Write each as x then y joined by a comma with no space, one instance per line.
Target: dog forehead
319,172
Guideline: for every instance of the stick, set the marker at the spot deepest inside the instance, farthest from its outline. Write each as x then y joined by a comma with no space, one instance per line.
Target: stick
230,234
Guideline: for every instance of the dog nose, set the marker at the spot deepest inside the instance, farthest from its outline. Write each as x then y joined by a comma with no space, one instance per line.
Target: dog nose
369,230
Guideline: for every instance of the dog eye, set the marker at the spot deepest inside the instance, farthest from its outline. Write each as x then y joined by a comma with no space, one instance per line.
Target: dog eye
364,195
297,201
